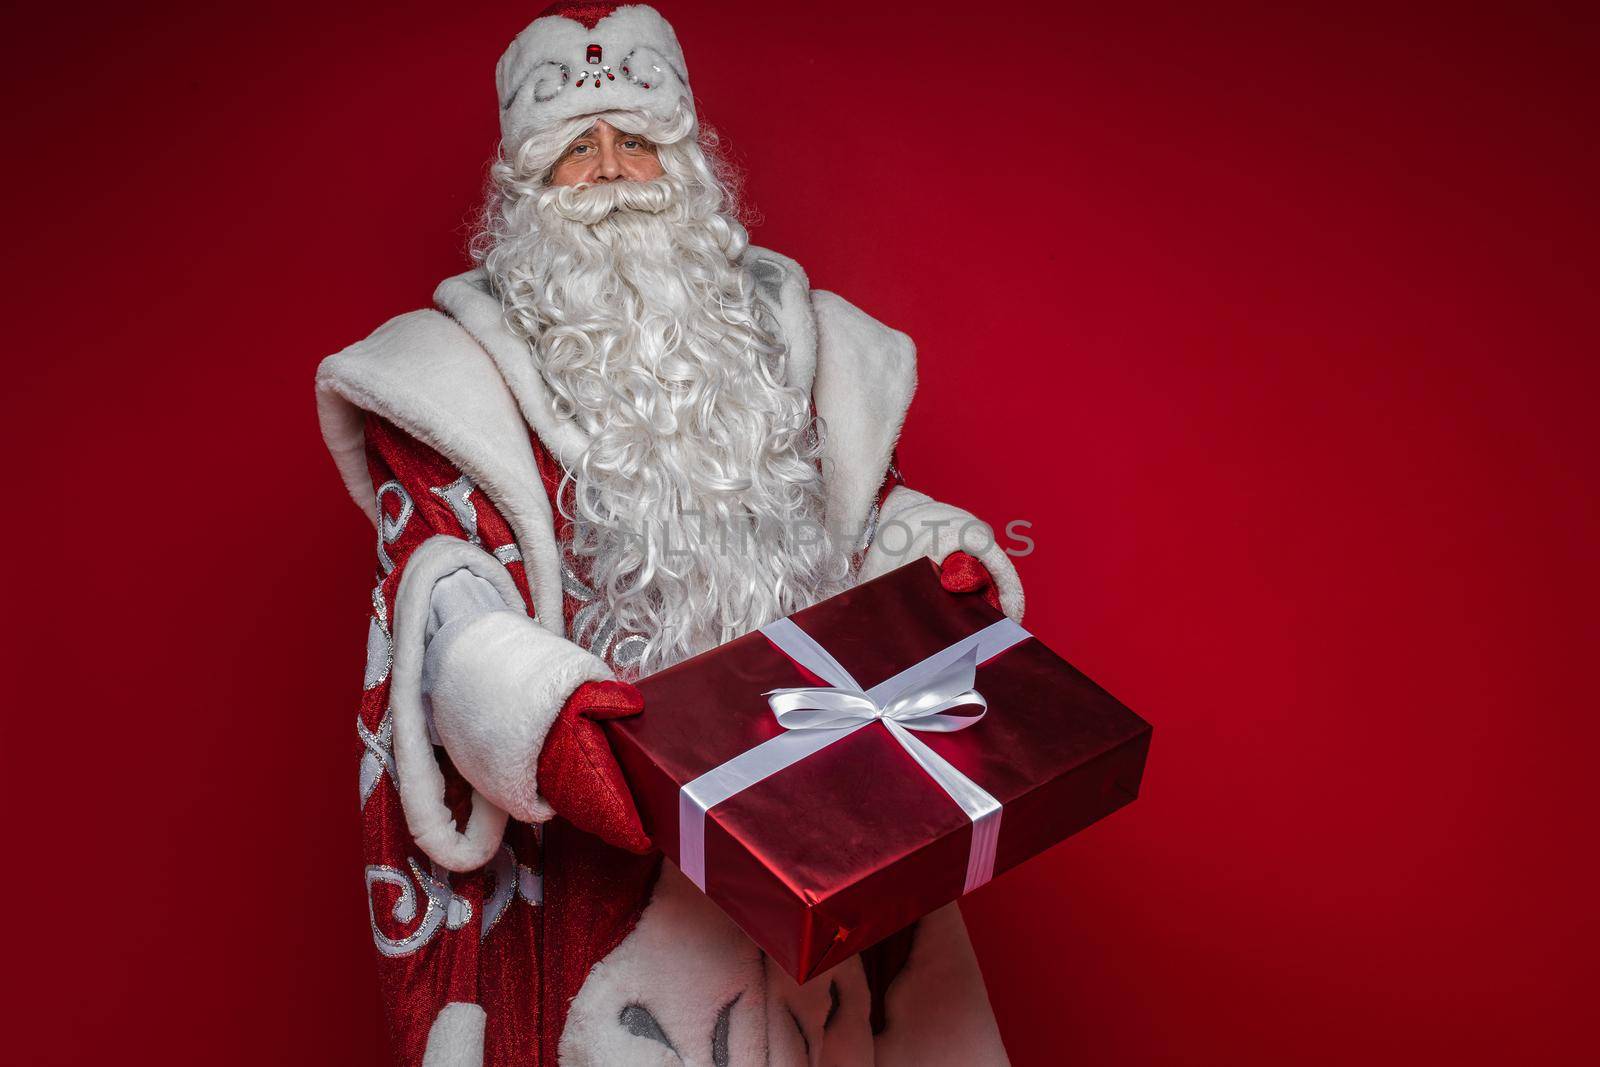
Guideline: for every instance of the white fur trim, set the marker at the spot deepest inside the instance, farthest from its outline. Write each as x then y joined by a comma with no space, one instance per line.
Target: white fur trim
501,683
468,299
456,1037
417,773
782,287
866,375
912,525
937,1009
428,376
418,776
534,91
498,683
464,385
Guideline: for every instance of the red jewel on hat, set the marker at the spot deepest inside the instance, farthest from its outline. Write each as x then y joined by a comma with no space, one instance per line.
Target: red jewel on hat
593,54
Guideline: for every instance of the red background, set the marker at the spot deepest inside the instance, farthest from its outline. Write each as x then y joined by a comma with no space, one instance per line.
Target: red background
1279,327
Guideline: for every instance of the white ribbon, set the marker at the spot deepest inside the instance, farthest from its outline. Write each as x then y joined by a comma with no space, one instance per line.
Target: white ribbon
919,698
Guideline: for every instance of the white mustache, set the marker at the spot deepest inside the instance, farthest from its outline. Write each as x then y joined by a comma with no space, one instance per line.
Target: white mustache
590,204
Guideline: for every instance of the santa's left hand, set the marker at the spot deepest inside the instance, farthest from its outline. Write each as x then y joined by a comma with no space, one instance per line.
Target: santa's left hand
963,573
579,776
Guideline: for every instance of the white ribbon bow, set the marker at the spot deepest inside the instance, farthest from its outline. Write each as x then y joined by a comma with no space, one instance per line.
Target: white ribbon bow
920,707
919,698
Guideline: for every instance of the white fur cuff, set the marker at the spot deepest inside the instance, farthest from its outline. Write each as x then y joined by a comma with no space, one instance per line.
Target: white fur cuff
913,525
496,689
501,682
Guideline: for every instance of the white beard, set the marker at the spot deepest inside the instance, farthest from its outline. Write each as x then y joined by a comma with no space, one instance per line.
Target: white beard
698,500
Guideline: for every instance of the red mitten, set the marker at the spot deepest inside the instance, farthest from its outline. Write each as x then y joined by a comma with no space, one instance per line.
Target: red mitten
963,573
579,776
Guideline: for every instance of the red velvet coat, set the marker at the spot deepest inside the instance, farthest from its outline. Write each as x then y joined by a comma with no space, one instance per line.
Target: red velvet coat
520,936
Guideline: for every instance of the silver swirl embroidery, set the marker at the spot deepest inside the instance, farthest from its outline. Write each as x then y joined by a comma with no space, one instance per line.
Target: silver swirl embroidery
573,586
458,494
378,758
540,84
594,627
380,643
530,885
458,910
504,873
647,75
389,530
627,652
508,553
512,881
443,908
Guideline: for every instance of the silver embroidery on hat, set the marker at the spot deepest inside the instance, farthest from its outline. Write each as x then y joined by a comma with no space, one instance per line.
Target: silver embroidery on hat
552,78
643,67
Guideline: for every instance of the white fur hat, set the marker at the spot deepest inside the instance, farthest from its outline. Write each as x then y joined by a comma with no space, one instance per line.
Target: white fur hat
583,58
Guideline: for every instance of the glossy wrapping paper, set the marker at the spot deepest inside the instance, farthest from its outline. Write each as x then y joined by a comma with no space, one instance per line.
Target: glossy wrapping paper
836,852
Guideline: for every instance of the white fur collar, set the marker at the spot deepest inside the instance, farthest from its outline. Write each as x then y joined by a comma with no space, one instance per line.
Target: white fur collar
426,372
426,375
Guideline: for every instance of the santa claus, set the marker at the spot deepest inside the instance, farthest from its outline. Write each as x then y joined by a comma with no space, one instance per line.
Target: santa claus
627,436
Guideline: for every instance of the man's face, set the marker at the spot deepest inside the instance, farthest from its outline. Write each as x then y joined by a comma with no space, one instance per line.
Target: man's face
603,153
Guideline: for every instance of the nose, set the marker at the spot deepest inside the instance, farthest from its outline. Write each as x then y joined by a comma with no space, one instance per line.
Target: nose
608,167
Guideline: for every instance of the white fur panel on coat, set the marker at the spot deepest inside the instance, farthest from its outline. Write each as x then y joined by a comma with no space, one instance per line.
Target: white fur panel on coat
866,375
497,687
913,524
456,1037
687,987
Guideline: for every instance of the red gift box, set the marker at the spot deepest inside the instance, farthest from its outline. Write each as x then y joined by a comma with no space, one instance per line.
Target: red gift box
856,840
